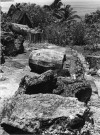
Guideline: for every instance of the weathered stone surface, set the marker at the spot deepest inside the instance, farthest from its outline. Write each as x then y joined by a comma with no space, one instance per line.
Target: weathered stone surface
45,59
80,89
43,114
19,29
44,83
12,45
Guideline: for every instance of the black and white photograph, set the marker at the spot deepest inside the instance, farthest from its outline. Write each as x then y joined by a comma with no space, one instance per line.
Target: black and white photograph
50,67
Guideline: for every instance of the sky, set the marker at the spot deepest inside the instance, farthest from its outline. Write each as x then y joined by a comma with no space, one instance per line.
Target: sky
81,6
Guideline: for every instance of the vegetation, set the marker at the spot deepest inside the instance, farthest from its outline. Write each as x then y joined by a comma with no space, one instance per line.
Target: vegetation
60,23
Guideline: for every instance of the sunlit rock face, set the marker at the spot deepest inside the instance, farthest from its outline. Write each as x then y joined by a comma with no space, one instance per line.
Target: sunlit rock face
43,113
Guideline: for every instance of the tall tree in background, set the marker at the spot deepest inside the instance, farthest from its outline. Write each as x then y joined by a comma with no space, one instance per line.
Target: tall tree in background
67,14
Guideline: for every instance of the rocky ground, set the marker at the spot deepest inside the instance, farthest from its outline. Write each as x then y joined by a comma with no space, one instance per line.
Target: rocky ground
48,103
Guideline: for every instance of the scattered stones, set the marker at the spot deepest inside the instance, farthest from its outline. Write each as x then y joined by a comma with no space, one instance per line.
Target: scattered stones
59,111
43,114
48,82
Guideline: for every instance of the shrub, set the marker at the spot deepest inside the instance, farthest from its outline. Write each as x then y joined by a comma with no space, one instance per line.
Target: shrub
56,34
78,34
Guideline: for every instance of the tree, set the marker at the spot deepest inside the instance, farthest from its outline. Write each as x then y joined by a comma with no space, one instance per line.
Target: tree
54,6
94,17
67,14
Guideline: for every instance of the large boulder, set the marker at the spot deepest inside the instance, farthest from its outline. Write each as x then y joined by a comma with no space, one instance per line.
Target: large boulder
43,114
44,59
12,44
19,28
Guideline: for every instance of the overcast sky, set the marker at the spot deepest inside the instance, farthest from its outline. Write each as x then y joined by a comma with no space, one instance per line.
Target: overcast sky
82,6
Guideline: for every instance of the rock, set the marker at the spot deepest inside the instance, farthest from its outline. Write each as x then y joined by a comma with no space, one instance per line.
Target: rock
44,59
44,83
43,114
12,45
19,29
74,88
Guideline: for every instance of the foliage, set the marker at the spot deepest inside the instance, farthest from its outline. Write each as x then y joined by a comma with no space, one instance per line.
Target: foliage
66,13
59,23
5,19
57,34
78,34
94,17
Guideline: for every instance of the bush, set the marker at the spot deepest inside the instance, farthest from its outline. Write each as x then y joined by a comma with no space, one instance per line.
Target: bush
78,34
56,34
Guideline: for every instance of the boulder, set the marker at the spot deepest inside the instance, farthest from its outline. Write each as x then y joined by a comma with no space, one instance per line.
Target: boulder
19,28
12,45
44,83
81,89
44,59
43,114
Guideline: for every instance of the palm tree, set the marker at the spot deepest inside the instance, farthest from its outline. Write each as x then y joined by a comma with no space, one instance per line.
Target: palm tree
67,14
54,6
